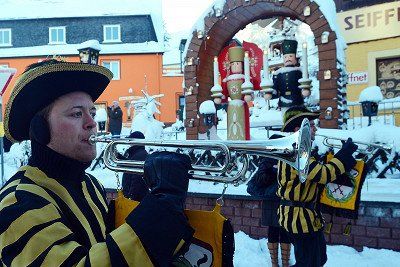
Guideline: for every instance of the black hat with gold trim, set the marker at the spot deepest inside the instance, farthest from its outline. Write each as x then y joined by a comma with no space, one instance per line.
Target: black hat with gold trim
294,116
42,83
289,47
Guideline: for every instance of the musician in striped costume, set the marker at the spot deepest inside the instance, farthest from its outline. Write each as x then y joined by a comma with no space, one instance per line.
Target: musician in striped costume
54,214
298,211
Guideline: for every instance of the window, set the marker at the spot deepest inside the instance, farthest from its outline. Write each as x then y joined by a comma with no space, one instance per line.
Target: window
114,67
4,65
388,76
5,37
181,102
112,33
57,35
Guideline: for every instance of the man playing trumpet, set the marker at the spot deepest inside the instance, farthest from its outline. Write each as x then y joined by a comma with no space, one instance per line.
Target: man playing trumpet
298,211
51,212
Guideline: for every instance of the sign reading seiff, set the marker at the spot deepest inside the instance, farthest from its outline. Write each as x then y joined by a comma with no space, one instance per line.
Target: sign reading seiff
370,23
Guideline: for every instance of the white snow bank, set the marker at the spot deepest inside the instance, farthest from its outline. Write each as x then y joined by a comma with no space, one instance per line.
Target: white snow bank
251,252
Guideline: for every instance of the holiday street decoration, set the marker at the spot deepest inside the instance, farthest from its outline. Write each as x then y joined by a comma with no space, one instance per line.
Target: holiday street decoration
144,120
344,112
239,67
290,83
237,129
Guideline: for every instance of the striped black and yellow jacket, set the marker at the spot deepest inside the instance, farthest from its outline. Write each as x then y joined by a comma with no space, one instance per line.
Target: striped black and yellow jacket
53,214
302,220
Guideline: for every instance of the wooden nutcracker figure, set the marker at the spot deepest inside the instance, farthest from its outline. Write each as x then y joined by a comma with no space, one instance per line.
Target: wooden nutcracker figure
237,115
239,66
290,83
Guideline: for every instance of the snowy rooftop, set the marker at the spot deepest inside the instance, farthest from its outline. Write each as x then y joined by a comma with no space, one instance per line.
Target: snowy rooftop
72,49
22,9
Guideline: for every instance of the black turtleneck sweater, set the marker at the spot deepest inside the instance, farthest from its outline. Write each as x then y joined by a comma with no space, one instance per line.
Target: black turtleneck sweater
53,214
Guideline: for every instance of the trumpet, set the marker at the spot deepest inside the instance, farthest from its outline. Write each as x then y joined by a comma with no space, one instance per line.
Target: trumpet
363,147
234,169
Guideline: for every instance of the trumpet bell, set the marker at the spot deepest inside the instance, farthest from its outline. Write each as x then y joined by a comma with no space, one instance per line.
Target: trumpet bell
304,150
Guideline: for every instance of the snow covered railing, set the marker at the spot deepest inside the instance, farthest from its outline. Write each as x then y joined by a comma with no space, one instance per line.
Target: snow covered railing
387,110
173,135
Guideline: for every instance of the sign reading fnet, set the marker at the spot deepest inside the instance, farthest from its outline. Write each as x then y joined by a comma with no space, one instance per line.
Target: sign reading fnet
6,75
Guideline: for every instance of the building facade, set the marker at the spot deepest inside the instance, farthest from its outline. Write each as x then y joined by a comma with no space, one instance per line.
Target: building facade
132,47
372,32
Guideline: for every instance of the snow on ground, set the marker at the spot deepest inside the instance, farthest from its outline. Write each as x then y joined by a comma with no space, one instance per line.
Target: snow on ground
250,252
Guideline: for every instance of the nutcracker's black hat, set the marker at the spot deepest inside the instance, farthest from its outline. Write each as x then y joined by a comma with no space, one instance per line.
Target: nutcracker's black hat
42,83
294,116
289,47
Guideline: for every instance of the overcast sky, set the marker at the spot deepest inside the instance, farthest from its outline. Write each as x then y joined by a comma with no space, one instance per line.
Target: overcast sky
181,15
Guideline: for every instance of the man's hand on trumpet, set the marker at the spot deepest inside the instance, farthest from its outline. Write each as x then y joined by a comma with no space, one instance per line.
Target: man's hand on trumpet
346,152
166,174
349,145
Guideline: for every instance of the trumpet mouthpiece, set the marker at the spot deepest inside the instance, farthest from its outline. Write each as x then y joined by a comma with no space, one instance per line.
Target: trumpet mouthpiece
92,139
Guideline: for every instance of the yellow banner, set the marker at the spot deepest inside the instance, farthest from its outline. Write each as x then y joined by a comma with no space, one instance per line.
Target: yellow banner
342,200
208,241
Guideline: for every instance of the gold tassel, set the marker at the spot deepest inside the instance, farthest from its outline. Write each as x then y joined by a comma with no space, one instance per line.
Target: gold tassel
328,226
347,229
317,223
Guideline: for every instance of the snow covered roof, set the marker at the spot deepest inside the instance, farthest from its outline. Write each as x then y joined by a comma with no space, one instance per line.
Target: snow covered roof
22,9
72,49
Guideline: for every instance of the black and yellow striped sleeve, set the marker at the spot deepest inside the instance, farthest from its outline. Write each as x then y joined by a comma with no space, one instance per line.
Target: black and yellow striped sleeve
325,173
34,231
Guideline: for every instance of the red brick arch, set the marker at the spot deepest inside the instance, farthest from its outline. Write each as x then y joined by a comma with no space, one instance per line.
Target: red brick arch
236,14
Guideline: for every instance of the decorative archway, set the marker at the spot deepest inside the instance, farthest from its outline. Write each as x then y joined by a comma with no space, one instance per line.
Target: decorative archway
221,25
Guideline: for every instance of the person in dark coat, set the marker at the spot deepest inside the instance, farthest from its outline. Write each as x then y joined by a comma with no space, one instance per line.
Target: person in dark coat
115,114
265,184
133,185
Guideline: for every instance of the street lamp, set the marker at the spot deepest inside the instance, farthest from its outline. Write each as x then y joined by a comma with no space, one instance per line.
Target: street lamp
89,52
101,119
208,111
369,109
